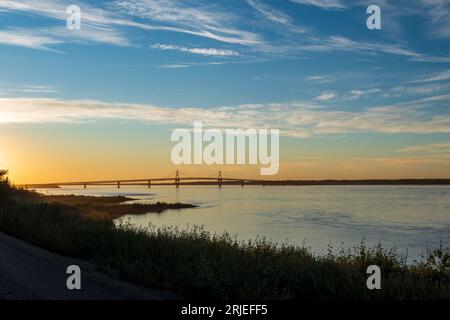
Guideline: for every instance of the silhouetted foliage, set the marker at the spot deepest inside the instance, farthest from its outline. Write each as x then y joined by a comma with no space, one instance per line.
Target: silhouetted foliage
5,188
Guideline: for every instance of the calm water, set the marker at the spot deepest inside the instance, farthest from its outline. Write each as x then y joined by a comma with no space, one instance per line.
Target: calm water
411,218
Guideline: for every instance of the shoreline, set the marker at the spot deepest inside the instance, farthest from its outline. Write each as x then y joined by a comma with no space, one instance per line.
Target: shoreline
111,207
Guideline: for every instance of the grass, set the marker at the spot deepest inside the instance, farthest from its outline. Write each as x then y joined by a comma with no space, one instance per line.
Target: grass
197,264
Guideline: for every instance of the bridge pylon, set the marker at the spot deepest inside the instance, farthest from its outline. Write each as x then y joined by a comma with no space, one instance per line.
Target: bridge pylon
149,184
220,179
177,179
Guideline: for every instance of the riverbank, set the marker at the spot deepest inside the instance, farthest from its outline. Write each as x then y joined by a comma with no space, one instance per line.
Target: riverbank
198,264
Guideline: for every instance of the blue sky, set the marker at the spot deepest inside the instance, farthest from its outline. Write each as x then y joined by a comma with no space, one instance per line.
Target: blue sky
308,67
224,52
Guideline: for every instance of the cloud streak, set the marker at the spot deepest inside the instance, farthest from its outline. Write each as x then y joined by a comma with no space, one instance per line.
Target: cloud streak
200,20
440,76
324,4
269,12
429,148
300,119
327,96
164,15
26,38
201,51
341,43
113,24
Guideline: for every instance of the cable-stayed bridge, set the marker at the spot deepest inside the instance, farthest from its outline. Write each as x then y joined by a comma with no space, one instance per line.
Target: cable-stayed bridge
178,179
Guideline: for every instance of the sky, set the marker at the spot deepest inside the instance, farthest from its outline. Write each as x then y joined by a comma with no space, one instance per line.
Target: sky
101,102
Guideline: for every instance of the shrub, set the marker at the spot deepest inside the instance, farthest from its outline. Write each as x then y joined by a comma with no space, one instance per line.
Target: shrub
5,188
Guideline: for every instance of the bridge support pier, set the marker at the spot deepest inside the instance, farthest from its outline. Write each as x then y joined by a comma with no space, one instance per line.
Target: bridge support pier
149,184
219,179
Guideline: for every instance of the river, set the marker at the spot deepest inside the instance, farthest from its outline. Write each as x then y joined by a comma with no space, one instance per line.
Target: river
410,218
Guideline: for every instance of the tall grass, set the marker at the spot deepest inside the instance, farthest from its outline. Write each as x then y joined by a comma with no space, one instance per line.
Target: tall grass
198,264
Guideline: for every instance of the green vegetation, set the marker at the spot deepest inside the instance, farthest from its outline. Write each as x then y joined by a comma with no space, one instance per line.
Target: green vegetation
198,264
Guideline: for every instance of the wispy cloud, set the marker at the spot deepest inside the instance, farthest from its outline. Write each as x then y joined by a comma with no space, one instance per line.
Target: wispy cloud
97,25
357,94
275,15
321,79
56,9
326,96
423,89
178,65
439,76
178,16
46,38
428,148
113,24
345,44
26,38
269,12
201,51
299,119
166,15
28,90
438,13
173,66
325,4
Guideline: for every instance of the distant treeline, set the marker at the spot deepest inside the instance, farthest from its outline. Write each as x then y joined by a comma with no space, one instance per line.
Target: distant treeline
364,182
330,182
